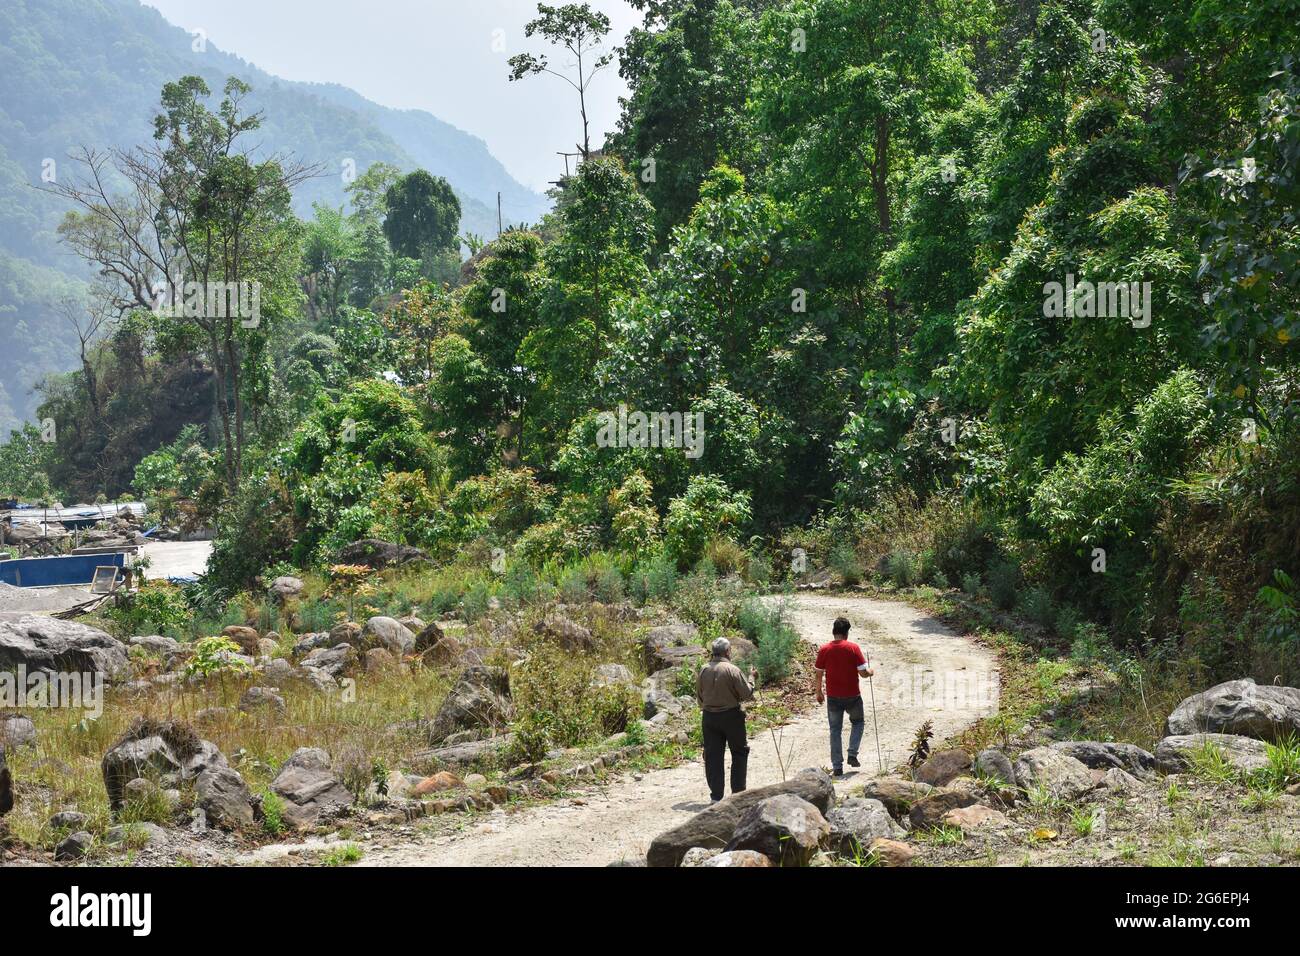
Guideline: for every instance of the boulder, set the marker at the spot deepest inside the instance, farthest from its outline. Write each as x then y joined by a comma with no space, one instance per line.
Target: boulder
39,643
609,675
156,645
995,765
377,554
928,812
479,698
897,794
135,834
1239,707
670,645
855,822
715,826
1099,755
345,632
68,820
466,754
317,678
785,828
334,661
888,852
285,588
389,634
1177,753
246,637
222,794
258,698
378,660
73,847
278,672
943,767
309,786
570,635
412,623
737,858
428,637
975,817
438,782
16,730
152,749
310,642
1062,776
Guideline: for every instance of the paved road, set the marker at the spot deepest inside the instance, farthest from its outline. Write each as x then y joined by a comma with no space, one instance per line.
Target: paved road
177,558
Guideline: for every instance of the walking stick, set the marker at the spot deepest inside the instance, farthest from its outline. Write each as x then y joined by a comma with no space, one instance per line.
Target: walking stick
880,761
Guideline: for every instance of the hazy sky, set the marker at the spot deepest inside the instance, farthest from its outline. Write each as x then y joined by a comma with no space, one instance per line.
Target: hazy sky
435,55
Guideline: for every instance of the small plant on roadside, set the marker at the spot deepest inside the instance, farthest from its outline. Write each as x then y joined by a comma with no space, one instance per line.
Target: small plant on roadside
342,855
272,813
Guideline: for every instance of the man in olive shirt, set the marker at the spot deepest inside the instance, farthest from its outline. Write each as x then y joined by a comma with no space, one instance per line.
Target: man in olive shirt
721,688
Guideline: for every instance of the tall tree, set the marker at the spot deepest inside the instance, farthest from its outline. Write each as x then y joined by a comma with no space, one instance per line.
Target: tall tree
579,29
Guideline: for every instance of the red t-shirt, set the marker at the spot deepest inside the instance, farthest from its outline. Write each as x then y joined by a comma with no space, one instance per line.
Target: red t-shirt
840,660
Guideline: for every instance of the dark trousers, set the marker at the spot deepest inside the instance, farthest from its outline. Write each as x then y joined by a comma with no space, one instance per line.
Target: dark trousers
725,729
836,708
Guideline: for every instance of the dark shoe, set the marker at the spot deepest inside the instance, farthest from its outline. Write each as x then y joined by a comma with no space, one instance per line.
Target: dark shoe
853,761
837,772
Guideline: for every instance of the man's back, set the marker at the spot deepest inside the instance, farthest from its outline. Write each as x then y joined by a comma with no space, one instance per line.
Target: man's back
840,660
721,686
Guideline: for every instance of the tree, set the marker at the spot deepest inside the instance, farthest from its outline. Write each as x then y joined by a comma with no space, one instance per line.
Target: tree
580,30
201,222
423,216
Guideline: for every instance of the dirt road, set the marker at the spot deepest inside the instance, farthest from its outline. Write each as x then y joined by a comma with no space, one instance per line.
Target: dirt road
924,671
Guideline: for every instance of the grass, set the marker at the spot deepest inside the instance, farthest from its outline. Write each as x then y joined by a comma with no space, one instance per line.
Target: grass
344,855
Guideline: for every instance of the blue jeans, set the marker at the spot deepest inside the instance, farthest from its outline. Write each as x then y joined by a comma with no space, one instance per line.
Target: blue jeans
836,708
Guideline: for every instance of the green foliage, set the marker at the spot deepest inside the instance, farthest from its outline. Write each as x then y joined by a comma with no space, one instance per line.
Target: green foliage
707,509
156,608
422,215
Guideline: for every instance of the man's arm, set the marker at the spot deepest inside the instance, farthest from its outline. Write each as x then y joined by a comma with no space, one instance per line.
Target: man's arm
864,669
817,684
744,689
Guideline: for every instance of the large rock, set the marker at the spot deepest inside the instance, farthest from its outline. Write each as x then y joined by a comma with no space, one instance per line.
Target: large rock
1099,755
897,794
974,818
995,765
670,645
285,588
151,749
308,786
377,554
856,822
256,698
222,794
1057,773
929,811
1239,707
887,852
738,858
570,635
39,643
1177,753
784,828
246,637
389,634
156,644
715,826
16,730
335,661
943,767
479,698
465,754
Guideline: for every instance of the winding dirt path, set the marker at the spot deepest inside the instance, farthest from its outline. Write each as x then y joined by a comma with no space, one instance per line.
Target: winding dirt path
923,671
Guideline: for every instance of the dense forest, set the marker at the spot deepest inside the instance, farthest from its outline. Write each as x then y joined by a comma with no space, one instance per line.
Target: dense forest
999,296
74,73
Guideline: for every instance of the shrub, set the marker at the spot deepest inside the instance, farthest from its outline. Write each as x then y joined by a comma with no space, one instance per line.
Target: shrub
1036,604
156,608
1003,579
654,579
844,561
970,582
901,567
705,511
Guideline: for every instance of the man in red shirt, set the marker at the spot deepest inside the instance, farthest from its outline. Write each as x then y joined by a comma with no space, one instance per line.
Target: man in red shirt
840,662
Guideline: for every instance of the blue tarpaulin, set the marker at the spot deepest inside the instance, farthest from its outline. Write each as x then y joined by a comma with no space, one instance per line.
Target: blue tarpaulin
49,572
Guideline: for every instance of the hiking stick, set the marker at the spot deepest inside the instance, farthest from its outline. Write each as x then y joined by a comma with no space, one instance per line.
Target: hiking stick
880,761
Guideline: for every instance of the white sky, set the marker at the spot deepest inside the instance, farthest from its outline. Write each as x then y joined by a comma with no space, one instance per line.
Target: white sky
434,55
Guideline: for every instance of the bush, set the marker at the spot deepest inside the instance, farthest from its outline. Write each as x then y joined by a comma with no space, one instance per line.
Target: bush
654,579
971,583
776,647
1003,580
902,568
844,561
156,608
1036,604
706,510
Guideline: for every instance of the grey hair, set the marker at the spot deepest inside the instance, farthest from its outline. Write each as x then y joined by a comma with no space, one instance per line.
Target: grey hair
721,647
